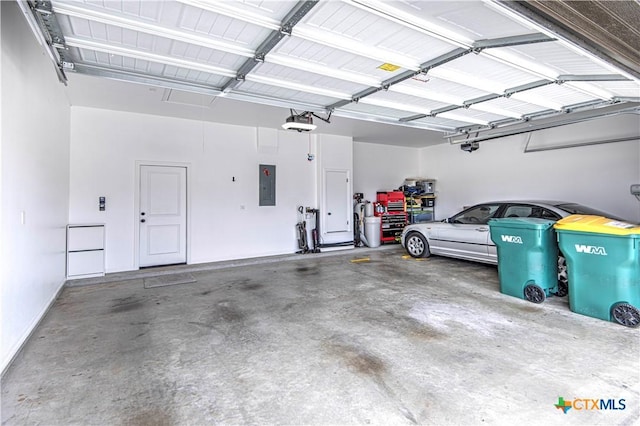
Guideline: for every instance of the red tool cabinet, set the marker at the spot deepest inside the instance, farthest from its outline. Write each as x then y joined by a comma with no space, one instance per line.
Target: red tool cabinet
393,215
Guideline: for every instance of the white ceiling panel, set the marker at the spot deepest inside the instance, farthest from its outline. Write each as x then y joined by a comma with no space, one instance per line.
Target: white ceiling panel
440,121
398,58
375,111
221,27
460,92
478,68
555,56
153,69
313,80
356,24
326,56
470,19
408,101
283,93
616,88
510,104
555,93
471,116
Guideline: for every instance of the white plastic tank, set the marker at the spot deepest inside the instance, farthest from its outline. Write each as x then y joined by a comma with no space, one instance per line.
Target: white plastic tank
372,230
368,209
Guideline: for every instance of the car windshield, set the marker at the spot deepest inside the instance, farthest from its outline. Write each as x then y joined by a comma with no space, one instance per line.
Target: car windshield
574,208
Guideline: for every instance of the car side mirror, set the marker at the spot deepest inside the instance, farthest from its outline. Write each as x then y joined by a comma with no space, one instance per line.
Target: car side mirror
447,220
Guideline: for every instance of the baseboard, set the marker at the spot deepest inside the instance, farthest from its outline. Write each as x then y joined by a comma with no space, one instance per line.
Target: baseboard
34,326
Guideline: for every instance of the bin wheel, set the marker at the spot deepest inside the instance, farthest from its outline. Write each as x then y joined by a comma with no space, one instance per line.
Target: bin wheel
534,293
563,289
626,315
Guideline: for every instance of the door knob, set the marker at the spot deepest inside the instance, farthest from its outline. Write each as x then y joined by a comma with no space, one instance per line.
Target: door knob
143,220
142,213
329,213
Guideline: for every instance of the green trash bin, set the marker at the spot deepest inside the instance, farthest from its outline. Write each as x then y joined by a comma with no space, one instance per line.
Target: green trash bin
603,267
527,257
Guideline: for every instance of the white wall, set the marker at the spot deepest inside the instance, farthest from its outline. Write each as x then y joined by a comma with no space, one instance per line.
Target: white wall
35,181
598,176
225,220
383,167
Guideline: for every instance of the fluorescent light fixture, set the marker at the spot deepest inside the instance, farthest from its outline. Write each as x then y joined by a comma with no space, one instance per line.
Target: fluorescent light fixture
384,10
138,25
355,47
296,86
301,122
225,8
147,56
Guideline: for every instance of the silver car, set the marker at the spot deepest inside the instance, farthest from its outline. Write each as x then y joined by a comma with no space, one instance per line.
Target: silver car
466,234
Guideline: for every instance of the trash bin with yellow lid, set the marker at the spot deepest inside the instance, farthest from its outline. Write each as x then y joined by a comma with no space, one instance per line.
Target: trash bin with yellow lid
603,266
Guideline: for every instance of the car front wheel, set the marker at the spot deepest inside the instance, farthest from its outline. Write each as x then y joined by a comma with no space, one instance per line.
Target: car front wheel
417,245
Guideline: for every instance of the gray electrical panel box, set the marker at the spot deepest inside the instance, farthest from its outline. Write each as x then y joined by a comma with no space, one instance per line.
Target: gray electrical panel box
267,188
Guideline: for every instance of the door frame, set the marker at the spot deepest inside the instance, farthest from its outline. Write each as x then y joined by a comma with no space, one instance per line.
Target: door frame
136,206
335,237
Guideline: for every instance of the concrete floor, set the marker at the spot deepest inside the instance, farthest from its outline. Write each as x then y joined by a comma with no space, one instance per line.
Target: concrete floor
320,339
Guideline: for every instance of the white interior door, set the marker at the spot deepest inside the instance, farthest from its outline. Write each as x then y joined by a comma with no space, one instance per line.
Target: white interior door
337,213
163,215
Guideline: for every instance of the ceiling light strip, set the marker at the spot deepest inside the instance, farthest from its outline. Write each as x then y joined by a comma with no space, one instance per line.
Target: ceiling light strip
147,56
284,28
225,8
76,11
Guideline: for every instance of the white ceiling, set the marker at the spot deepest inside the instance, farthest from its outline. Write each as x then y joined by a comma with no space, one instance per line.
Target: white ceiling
399,72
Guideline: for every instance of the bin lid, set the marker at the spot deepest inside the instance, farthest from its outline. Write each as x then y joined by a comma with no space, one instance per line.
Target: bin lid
596,224
522,222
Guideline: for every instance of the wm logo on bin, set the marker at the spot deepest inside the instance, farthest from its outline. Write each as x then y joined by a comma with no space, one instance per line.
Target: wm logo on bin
581,248
511,239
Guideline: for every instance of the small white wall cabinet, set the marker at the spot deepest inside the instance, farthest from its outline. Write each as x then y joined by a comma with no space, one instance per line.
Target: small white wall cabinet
85,250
